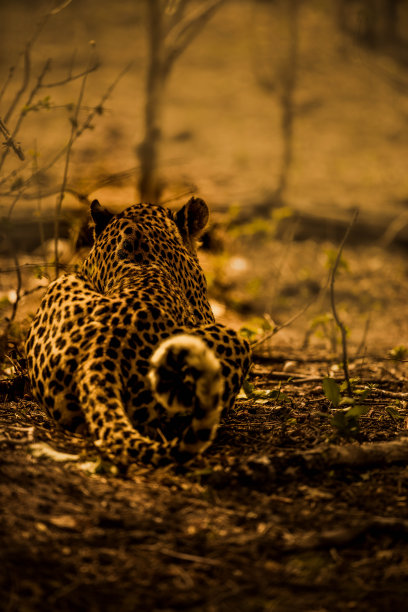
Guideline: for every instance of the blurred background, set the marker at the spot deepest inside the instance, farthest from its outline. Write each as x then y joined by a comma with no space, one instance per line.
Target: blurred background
284,115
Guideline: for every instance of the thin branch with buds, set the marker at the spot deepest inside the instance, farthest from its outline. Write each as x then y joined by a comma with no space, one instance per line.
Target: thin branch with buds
23,113
74,126
10,142
72,77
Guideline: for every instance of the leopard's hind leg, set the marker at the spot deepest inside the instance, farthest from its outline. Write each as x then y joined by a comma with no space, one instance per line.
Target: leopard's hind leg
108,423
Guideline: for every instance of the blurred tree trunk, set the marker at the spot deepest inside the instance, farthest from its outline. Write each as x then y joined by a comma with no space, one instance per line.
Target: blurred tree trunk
149,149
276,42
288,89
391,20
170,30
372,22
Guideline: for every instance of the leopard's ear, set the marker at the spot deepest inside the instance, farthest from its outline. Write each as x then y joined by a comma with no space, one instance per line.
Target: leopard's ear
101,217
192,219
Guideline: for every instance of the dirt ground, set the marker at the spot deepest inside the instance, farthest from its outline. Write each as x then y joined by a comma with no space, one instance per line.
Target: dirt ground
296,506
251,526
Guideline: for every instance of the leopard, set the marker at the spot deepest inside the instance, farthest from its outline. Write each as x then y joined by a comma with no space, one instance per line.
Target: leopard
126,349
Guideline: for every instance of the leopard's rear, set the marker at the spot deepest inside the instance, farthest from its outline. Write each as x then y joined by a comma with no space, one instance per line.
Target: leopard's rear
128,350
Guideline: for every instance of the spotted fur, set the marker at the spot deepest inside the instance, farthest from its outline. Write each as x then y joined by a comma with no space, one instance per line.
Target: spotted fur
128,350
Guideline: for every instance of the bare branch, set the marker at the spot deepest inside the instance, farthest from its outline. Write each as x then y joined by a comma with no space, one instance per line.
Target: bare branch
18,289
11,175
75,134
97,110
10,142
73,77
60,8
17,270
74,125
39,200
339,323
16,199
287,323
23,114
185,30
110,179
27,64
292,319
82,197
24,84
174,10
7,81
33,266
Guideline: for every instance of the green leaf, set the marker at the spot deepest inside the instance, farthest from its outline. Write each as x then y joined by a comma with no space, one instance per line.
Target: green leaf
398,353
344,384
248,333
363,394
321,320
347,401
394,413
339,420
331,390
248,388
331,255
252,392
357,411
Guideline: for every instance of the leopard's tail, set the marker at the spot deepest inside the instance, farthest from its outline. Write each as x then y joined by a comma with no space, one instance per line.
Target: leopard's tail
185,377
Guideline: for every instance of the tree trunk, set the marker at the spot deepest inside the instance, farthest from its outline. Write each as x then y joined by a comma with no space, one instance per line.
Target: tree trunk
150,184
289,73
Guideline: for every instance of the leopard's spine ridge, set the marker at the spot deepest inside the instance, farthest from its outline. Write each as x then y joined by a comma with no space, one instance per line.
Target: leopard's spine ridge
185,376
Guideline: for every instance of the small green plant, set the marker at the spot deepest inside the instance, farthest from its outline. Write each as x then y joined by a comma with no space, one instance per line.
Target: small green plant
251,392
332,391
257,327
346,418
331,255
259,226
393,412
324,326
399,353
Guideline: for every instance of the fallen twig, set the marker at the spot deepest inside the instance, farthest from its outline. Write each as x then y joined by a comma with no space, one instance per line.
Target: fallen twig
261,471
393,394
293,378
354,455
187,557
342,537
